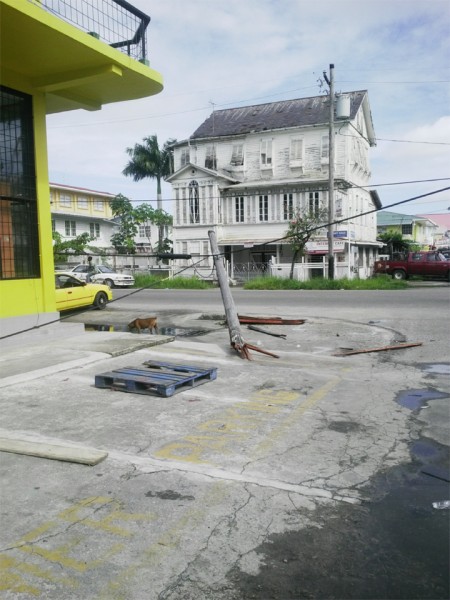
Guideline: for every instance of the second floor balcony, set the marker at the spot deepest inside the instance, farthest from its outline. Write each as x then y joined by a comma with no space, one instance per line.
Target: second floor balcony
77,53
115,22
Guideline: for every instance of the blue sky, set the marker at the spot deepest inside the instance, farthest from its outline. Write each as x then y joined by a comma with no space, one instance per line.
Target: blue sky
245,52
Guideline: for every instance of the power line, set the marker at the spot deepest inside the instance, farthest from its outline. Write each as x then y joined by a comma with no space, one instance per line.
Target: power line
247,194
237,251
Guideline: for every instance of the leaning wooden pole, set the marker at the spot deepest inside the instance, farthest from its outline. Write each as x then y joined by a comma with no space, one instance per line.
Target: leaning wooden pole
236,339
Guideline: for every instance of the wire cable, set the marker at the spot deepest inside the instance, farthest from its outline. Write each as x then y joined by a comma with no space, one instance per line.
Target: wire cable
237,251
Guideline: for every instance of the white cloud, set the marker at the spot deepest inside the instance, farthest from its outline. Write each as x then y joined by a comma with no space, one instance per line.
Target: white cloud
257,51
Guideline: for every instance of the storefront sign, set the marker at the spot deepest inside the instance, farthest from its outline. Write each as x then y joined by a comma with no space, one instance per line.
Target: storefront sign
321,246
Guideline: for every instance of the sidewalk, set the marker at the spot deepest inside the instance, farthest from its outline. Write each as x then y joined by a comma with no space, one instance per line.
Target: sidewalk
186,489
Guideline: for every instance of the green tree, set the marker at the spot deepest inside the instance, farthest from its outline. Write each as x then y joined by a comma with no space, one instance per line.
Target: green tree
149,161
63,248
129,220
123,240
301,228
395,242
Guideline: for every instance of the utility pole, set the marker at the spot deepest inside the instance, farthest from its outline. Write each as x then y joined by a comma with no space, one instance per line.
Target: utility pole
330,82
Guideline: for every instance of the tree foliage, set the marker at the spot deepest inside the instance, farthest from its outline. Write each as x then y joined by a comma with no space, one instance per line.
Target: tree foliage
63,248
129,220
395,242
301,228
149,161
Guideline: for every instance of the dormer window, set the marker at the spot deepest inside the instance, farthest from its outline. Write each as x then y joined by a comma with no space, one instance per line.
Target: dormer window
210,157
266,154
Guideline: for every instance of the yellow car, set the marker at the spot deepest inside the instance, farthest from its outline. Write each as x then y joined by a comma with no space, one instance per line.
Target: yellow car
73,293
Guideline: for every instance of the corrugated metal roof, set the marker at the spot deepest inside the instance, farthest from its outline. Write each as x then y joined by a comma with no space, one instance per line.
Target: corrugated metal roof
274,115
392,218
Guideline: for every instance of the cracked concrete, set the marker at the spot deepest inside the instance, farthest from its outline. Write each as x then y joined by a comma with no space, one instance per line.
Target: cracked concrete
197,487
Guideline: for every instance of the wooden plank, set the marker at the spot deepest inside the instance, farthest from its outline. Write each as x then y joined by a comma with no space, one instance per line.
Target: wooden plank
82,455
269,320
382,349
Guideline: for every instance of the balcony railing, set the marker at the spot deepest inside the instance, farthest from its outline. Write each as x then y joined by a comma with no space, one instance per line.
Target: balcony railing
115,22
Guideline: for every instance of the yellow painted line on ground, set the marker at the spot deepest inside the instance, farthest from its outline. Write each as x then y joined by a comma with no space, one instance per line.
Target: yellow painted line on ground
171,540
279,431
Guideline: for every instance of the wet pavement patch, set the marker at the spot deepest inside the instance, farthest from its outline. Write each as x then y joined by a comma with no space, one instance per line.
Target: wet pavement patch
424,449
416,399
437,368
172,331
105,327
168,495
392,546
183,331
344,426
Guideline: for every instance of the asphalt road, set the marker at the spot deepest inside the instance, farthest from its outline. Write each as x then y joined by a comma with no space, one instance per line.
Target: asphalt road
418,313
309,476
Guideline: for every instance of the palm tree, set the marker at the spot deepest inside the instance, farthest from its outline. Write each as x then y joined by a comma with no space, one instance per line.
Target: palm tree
149,160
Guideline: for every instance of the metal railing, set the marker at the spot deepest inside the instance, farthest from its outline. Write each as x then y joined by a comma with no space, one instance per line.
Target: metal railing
249,271
115,22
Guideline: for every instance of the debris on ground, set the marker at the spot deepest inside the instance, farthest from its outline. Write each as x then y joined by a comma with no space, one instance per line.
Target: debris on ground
254,328
269,321
382,349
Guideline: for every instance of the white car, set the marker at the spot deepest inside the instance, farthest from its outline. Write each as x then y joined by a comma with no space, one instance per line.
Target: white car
103,274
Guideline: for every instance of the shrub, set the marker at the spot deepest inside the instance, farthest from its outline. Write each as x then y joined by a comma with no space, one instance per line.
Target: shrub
383,282
155,282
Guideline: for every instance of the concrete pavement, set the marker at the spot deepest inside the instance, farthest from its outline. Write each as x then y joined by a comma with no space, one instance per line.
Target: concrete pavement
193,485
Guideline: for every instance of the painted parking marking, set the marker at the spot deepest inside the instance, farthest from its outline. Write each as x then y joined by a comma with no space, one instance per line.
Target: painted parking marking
238,422
20,576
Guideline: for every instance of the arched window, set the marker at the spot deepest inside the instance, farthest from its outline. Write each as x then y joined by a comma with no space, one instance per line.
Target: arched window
194,206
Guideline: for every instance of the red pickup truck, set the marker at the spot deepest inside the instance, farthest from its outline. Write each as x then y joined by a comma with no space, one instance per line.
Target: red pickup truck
432,265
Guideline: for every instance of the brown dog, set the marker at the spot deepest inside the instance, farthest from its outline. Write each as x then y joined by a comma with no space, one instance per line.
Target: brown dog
150,323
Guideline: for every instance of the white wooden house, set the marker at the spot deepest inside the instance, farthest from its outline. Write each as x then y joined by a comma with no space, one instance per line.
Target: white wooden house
246,171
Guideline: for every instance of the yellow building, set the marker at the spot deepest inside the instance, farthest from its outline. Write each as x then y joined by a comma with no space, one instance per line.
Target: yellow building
49,63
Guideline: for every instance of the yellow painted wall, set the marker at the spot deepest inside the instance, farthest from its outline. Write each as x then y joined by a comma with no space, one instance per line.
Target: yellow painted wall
103,211
62,68
30,296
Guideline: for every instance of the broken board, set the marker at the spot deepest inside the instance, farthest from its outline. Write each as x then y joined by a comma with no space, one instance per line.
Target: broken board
269,321
52,451
162,379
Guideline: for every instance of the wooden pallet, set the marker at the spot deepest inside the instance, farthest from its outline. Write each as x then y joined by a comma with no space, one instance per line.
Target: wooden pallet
163,379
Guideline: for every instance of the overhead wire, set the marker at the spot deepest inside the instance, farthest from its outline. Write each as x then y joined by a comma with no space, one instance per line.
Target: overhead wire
236,251
247,194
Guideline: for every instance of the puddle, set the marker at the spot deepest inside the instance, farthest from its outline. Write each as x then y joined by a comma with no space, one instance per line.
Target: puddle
103,327
172,331
182,331
415,399
425,450
438,369
393,545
